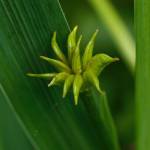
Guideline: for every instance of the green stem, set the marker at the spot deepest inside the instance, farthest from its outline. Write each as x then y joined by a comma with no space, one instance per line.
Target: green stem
99,113
117,29
142,18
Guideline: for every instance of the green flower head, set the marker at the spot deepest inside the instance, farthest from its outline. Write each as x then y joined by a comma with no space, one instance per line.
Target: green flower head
75,71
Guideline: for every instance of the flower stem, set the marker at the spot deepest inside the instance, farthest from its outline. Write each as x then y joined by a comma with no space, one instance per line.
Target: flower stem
99,113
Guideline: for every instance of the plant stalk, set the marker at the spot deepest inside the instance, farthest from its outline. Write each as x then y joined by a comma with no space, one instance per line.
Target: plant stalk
98,110
142,18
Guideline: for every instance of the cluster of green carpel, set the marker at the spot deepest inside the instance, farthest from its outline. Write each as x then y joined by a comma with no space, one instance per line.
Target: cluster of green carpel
76,72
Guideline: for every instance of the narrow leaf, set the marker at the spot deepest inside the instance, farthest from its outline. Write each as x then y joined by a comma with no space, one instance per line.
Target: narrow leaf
58,78
142,17
57,50
57,64
89,50
78,81
76,62
72,42
67,84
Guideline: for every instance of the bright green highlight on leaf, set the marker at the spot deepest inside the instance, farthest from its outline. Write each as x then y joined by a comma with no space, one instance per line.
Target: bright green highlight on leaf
76,72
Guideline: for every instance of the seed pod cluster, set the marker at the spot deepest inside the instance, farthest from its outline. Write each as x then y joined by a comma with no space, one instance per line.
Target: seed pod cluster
75,71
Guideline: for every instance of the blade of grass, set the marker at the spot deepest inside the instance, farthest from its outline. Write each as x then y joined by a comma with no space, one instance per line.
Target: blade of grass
142,16
118,30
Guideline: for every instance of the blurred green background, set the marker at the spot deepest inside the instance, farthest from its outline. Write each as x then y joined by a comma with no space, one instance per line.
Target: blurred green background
117,80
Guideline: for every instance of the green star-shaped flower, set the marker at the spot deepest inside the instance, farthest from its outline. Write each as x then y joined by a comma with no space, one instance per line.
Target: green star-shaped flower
76,71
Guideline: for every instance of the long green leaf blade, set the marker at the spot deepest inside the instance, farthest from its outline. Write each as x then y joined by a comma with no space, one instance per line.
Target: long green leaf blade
143,74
